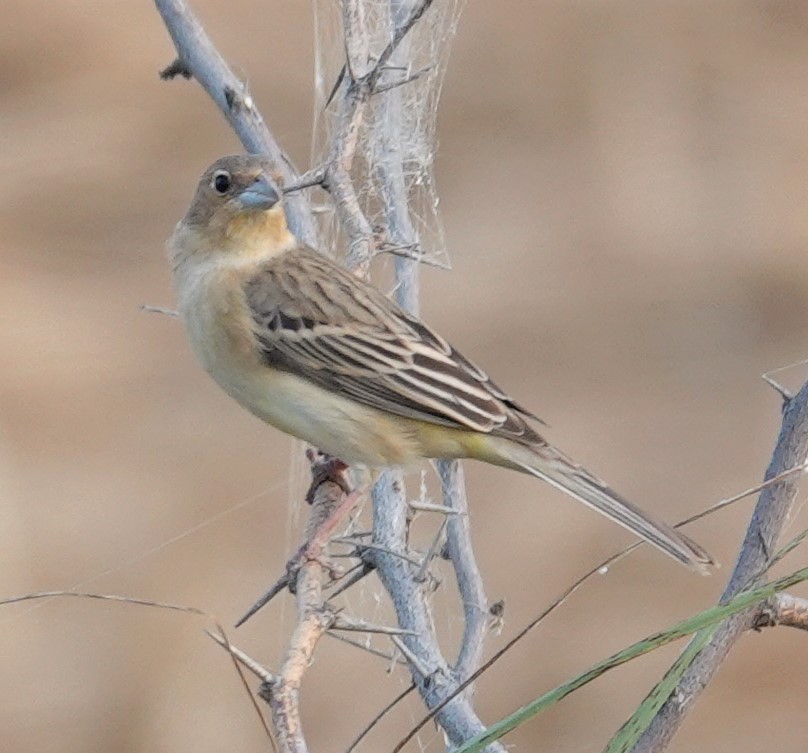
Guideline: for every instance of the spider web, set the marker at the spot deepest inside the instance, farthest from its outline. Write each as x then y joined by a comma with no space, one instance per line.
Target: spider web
397,142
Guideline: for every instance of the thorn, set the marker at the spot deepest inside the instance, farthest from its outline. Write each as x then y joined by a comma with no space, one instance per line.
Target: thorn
157,310
364,569
413,660
337,84
375,651
309,179
374,547
432,552
442,509
360,626
409,78
787,395
283,582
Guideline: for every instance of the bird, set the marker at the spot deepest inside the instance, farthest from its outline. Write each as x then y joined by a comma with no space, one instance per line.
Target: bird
310,348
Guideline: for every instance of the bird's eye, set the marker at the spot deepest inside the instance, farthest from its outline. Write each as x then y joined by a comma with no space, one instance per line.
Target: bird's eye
221,182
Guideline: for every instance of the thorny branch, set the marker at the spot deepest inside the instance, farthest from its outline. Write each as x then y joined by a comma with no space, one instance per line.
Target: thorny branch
388,551
314,618
768,520
198,58
435,679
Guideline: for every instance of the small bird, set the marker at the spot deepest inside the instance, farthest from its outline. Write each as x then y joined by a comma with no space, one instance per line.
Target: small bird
320,354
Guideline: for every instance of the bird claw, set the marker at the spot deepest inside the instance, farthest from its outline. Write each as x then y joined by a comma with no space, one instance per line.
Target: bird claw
325,468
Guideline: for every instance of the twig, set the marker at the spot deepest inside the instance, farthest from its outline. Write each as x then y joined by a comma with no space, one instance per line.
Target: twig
314,619
496,609
307,180
433,677
433,550
369,649
312,549
197,57
412,658
775,385
360,80
103,597
360,626
413,253
469,580
440,509
768,520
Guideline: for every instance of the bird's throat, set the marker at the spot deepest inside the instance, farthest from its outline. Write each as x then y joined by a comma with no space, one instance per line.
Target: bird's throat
259,234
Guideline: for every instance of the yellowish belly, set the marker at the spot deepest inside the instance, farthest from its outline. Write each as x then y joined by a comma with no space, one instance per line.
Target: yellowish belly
337,425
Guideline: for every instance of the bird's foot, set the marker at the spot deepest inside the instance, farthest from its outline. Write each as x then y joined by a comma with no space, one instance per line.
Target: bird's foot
334,502
325,468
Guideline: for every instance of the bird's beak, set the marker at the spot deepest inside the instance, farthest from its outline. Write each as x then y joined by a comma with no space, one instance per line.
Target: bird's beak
260,195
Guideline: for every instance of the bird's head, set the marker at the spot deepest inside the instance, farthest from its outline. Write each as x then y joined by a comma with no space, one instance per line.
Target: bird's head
238,209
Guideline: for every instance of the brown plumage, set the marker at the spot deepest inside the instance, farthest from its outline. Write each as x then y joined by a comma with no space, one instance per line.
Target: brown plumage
322,355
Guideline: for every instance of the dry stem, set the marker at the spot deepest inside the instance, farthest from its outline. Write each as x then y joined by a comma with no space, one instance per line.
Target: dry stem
768,520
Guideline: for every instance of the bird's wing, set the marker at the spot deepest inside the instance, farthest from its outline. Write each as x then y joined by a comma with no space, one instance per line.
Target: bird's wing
313,318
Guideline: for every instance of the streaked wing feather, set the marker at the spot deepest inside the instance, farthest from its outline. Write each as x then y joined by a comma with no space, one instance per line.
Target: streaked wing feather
313,318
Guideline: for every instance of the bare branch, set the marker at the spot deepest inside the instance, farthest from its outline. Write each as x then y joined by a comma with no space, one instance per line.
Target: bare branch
314,619
469,580
197,57
768,520
435,680
388,550
495,611
433,677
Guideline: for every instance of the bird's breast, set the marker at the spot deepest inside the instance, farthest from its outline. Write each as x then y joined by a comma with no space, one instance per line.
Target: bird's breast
220,332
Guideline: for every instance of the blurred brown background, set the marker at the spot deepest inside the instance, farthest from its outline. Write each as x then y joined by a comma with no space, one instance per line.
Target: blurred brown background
625,197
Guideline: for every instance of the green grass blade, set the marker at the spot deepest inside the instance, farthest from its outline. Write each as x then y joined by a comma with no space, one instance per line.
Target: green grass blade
630,732
706,619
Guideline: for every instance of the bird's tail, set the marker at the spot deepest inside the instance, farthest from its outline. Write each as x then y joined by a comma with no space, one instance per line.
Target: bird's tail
550,465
